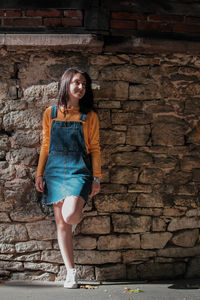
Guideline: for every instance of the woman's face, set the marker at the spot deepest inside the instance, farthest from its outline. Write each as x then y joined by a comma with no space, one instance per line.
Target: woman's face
77,86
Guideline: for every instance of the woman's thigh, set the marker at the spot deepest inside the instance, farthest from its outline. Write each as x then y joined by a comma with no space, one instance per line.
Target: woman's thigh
72,209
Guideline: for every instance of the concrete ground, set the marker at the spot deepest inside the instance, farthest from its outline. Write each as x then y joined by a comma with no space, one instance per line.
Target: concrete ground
168,290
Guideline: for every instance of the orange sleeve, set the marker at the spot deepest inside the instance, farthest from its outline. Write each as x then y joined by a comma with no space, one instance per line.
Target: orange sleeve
46,128
94,144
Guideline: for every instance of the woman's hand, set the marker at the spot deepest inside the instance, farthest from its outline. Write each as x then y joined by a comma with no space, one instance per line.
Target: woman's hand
39,184
95,188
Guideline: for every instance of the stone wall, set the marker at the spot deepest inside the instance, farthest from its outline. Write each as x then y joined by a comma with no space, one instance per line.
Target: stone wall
145,223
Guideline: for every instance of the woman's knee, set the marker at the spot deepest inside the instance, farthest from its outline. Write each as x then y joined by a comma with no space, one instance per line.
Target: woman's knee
72,217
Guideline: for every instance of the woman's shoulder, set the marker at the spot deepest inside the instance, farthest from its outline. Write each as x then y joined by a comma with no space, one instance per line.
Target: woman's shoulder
92,115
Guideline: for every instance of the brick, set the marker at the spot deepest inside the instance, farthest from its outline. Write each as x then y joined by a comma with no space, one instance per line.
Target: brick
72,22
187,28
1,12
165,18
13,13
154,26
193,20
44,13
52,22
23,22
124,24
73,13
127,16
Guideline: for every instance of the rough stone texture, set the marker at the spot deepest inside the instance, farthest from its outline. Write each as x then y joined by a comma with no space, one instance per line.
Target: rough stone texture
130,224
113,242
183,223
97,257
115,272
137,255
96,225
155,270
145,222
186,238
155,240
39,230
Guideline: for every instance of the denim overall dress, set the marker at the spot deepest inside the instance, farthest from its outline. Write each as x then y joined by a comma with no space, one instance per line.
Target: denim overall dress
68,170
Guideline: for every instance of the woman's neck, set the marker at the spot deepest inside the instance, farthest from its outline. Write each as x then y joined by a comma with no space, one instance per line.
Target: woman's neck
73,103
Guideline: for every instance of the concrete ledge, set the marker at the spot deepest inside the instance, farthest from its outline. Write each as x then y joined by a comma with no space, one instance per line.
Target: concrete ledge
52,40
90,42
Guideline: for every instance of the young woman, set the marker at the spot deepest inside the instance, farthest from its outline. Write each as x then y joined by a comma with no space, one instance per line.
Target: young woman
69,168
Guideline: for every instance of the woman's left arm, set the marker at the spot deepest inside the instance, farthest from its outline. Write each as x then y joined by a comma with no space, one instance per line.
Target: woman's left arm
94,149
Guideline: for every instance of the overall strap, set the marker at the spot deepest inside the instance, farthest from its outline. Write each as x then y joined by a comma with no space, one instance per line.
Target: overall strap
54,111
83,117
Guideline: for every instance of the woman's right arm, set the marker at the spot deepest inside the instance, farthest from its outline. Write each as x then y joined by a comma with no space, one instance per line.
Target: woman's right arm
46,125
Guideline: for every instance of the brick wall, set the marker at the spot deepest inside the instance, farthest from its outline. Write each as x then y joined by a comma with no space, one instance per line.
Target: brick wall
178,19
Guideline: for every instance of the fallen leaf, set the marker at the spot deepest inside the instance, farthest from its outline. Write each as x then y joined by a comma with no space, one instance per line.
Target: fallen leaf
89,287
133,291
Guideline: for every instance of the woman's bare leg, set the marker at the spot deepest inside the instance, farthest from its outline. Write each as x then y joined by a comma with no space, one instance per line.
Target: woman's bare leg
67,212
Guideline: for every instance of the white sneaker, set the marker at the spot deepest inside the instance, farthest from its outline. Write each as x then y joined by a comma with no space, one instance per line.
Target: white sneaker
71,280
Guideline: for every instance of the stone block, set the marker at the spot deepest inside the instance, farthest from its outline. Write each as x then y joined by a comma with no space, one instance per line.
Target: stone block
151,176
149,200
124,175
115,272
158,224
84,242
116,242
131,224
104,118
128,118
140,188
111,90
11,265
180,177
41,267
155,240
4,217
134,159
169,132
25,119
42,230
189,163
33,276
193,270
164,270
183,223
130,256
31,246
7,248
28,213
138,135
97,257
29,257
26,138
187,238
147,211
115,202
4,142
10,233
27,156
179,252
7,172
113,188
110,137
131,272
52,256
128,73
95,225
144,92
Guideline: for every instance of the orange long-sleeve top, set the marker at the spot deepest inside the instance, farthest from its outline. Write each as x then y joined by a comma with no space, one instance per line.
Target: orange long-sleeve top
90,131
